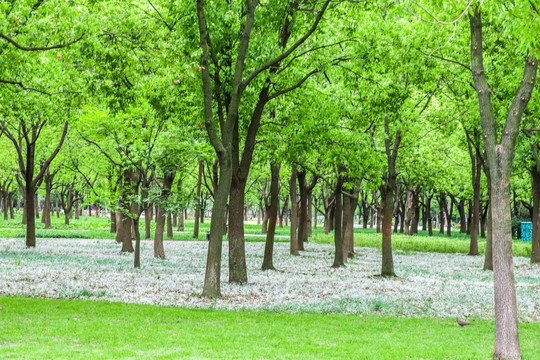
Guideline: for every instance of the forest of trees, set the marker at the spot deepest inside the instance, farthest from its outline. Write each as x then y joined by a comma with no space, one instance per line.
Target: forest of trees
347,111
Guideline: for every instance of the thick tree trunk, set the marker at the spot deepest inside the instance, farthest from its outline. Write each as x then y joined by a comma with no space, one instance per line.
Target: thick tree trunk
499,157
268,262
349,205
30,215
387,199
294,212
123,233
147,222
161,217
180,221
137,255
237,247
77,210
212,278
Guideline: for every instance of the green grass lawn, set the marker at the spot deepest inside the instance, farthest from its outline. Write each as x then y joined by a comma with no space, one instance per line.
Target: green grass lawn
68,329
91,227
422,242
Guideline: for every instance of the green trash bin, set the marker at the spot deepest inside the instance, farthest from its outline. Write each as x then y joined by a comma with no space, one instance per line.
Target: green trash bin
526,231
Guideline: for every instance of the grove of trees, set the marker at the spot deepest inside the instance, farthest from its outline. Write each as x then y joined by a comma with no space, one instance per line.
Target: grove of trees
402,115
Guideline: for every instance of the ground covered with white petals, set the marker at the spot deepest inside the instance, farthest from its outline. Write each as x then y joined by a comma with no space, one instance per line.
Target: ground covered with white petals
428,284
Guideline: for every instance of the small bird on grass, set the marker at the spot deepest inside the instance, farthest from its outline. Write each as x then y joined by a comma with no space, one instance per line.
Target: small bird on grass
462,323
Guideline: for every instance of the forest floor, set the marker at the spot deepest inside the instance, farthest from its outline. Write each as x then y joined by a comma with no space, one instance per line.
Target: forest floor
427,285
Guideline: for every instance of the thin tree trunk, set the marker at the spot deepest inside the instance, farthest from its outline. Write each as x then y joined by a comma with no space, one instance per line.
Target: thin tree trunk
170,233
339,259
147,222
137,255
535,236
268,263
198,205
113,222
294,211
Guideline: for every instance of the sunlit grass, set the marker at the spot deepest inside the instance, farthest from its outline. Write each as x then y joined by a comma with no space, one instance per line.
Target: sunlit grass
75,329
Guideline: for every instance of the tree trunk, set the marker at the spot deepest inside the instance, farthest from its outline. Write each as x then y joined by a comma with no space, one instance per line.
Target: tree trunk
123,234
180,221
137,255
339,259
170,233
349,205
499,157
284,212
473,249
535,237
77,210
237,244
428,215
147,222
294,213
30,215
113,222
212,278
268,263
387,200
462,217
198,205
469,216
302,217
442,207
380,217
161,216
409,211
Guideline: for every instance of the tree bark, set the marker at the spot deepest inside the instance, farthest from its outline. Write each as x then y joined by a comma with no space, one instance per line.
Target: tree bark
237,247
147,222
499,156
387,199
535,236
268,263
339,259
197,213
294,212
113,222
161,217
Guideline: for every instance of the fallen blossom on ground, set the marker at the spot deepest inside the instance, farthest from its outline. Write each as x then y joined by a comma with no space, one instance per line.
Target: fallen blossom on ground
428,284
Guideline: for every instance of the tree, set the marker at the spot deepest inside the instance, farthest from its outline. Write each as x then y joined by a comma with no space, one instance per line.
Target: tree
500,150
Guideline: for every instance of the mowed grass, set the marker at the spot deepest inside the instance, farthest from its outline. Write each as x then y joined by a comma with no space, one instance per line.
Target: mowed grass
91,227
70,329
423,243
